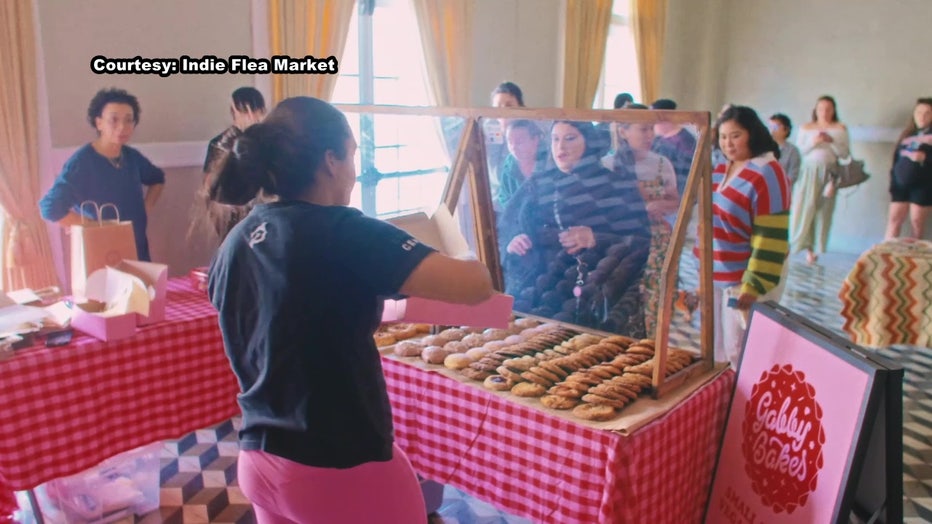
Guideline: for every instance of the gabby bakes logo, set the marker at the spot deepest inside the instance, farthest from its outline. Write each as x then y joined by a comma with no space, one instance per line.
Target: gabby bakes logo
783,438
209,64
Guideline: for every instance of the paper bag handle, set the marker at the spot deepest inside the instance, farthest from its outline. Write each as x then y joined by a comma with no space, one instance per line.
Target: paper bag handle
100,215
98,211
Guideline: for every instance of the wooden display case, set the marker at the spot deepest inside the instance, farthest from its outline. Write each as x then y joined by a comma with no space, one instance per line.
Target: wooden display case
479,160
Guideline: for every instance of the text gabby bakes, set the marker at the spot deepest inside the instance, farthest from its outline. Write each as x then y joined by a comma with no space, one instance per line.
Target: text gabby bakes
210,64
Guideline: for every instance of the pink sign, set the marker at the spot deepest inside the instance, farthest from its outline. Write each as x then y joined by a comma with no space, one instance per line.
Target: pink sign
793,426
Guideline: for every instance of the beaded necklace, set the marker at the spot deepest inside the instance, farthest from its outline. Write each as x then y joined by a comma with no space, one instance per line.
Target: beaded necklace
581,266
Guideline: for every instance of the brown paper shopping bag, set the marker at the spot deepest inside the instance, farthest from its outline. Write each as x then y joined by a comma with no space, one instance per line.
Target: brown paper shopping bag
97,243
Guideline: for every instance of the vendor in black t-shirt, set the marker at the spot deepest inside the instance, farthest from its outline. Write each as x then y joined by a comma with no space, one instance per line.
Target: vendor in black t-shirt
297,284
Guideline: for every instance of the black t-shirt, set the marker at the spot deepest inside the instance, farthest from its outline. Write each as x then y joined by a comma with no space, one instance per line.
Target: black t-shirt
298,289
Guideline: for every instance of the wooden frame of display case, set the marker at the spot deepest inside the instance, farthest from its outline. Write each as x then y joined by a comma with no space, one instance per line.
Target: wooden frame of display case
469,166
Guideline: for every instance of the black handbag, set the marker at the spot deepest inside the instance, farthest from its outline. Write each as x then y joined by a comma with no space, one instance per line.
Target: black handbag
849,172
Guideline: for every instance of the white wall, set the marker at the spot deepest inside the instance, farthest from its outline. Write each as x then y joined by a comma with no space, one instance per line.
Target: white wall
517,40
694,63
179,114
781,56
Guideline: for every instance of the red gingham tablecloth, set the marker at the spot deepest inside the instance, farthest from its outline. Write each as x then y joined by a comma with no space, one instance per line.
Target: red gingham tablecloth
552,470
65,409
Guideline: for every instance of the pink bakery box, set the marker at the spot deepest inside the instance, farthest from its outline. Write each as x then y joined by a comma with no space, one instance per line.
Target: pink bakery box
494,312
154,276
85,319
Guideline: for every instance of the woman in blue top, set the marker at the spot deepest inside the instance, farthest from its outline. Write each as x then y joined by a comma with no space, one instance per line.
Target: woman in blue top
298,286
107,171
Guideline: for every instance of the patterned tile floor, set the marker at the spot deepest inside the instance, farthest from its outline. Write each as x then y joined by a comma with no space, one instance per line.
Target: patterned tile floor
198,483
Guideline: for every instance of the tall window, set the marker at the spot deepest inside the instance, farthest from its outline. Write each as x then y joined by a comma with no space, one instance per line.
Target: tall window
401,161
620,71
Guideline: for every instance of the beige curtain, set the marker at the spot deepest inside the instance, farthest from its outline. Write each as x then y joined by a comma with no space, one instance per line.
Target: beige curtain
308,27
587,23
446,36
27,257
648,22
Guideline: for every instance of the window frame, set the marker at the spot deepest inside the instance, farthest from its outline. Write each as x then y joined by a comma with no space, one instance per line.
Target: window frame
620,19
370,176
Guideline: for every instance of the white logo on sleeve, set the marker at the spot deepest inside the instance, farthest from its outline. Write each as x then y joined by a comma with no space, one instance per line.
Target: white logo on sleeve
409,244
258,235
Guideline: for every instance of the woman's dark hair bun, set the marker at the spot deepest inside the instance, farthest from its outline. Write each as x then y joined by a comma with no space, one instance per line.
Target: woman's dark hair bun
245,171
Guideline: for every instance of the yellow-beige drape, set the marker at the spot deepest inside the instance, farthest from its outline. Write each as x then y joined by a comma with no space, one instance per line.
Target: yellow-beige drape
587,23
308,27
648,23
27,257
446,36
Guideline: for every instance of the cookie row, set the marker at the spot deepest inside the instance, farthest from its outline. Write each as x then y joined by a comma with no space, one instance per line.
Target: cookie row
601,401
487,365
581,355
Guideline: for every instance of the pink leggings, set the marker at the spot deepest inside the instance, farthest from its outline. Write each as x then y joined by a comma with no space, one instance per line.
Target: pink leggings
286,492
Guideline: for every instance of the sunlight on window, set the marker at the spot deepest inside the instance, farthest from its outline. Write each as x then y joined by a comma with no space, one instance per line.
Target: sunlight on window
403,165
620,71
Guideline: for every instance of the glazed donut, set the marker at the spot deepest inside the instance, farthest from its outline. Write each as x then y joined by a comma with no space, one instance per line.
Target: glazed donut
433,355
407,348
495,334
457,361
451,335
473,340
403,331
456,346
477,353
433,340
495,345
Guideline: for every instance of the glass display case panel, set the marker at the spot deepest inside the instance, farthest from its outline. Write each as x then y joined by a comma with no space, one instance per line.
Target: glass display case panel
584,214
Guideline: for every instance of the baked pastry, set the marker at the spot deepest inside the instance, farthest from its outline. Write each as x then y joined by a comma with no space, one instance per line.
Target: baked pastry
515,339
528,389
433,355
557,402
407,348
494,345
525,323
403,331
475,374
457,361
383,339
477,353
497,383
433,340
456,346
495,334
452,334
597,412
473,340
604,401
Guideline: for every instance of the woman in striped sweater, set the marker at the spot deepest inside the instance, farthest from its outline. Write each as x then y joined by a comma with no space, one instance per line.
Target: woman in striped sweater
750,219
